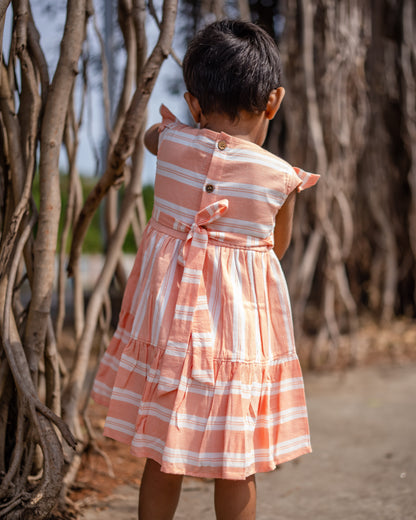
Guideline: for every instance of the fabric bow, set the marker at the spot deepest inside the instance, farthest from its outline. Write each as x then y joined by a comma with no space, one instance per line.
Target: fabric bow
191,325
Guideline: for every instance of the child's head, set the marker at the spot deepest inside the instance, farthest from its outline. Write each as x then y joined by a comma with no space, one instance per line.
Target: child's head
232,66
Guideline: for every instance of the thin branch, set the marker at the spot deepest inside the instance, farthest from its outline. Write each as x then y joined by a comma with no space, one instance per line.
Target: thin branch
50,198
132,124
79,370
153,13
106,93
36,53
15,354
4,4
17,452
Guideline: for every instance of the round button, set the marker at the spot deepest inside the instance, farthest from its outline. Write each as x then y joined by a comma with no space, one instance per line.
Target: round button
222,145
209,188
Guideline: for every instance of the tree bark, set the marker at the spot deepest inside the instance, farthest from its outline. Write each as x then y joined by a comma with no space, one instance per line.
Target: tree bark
125,145
50,199
129,131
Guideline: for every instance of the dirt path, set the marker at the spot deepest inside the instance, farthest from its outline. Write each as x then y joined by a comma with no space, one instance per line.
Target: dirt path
363,467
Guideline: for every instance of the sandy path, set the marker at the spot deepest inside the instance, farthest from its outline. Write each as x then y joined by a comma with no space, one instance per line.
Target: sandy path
363,467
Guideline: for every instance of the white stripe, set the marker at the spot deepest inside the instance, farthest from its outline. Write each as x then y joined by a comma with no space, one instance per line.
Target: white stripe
110,361
251,192
184,312
226,459
291,414
244,227
202,335
120,425
261,158
143,286
123,335
192,276
204,375
239,313
235,387
102,389
147,258
162,299
182,175
283,293
126,396
133,365
176,349
264,261
256,313
174,210
265,199
214,302
197,142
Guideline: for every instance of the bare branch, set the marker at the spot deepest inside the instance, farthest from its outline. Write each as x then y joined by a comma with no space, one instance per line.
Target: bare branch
50,203
106,94
28,117
36,53
15,354
78,373
4,4
244,8
132,124
153,12
17,453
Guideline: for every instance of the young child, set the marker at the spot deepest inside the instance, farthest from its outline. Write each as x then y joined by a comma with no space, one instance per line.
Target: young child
202,376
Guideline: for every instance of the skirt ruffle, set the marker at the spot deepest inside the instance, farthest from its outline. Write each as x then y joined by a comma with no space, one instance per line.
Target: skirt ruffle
254,415
251,420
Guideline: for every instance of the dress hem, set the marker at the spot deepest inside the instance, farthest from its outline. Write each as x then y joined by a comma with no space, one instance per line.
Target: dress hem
206,472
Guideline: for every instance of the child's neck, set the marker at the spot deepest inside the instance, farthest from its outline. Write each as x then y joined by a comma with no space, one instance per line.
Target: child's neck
248,126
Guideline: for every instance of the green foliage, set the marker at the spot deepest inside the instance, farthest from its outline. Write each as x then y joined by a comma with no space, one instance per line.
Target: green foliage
93,241
149,197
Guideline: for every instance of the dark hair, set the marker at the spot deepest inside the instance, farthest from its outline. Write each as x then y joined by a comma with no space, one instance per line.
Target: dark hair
231,66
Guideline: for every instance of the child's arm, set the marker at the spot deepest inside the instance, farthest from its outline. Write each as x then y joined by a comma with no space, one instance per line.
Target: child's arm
151,139
283,226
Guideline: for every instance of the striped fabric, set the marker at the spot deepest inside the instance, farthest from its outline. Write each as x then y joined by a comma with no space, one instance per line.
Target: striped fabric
202,373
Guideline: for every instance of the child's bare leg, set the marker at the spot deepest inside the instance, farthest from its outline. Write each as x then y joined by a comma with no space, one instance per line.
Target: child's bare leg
159,493
235,499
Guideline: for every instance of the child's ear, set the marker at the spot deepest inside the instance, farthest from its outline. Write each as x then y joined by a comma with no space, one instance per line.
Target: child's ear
275,99
194,106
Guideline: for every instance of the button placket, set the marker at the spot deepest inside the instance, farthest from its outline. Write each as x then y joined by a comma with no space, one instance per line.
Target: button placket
210,188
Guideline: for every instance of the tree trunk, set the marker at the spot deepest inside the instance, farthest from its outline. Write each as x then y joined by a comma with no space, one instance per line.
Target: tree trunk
347,65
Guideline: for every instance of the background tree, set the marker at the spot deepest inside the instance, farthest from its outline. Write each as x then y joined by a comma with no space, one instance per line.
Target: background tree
350,70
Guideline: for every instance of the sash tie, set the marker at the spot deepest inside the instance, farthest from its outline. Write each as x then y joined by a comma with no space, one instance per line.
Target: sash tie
191,326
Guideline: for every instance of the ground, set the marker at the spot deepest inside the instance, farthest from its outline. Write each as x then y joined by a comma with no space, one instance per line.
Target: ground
363,467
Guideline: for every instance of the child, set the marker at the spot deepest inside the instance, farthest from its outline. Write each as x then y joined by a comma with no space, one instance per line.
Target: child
202,376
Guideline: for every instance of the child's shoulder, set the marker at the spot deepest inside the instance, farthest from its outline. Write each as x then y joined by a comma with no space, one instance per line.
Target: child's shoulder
238,148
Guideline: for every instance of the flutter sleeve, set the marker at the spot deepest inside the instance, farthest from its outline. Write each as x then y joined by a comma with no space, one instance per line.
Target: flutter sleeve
307,179
167,118
301,180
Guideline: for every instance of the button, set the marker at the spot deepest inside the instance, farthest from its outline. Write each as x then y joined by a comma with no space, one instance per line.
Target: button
222,145
209,188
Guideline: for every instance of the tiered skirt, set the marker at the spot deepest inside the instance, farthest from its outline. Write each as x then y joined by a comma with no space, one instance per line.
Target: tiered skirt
253,416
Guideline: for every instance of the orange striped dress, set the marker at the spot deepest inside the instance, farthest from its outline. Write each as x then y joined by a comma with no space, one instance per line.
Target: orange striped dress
202,374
